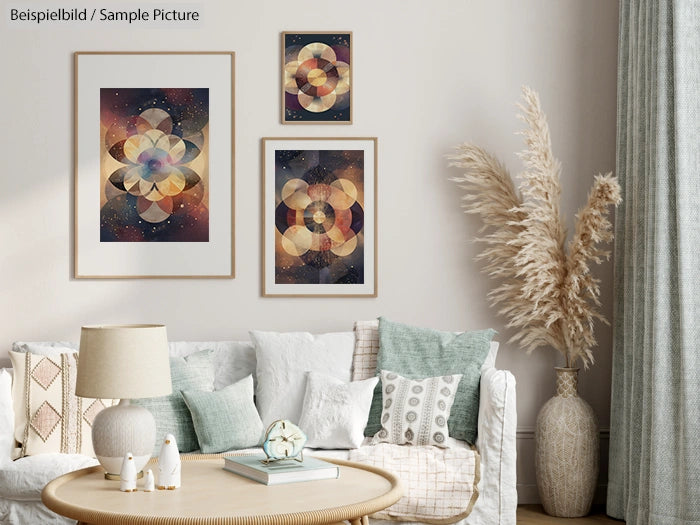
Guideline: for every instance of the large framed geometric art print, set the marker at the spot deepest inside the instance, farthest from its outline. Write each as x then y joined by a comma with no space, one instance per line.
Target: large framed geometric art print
154,165
316,72
319,217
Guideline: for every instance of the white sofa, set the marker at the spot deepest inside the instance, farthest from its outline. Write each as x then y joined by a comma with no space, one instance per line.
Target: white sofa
21,481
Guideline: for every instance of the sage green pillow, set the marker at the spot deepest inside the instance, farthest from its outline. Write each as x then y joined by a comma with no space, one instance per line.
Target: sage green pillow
417,353
225,419
193,372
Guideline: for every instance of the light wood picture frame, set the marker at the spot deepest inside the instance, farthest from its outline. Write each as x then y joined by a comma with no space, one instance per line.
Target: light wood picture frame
319,217
317,75
154,150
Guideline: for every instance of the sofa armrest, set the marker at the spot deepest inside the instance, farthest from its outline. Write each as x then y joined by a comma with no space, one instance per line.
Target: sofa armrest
498,497
7,418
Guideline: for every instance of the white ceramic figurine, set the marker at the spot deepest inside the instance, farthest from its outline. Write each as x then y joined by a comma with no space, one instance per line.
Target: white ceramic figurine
127,476
149,483
169,464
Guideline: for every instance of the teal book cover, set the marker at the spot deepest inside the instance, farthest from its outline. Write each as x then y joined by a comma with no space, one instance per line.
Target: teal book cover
277,472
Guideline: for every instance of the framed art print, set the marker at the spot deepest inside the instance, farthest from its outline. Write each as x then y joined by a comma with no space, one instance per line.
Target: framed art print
154,165
316,72
319,217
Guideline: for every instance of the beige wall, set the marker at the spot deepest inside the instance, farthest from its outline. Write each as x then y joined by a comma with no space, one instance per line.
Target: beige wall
427,76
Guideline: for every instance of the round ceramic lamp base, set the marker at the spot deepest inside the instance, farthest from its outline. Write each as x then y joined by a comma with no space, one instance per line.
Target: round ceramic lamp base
121,429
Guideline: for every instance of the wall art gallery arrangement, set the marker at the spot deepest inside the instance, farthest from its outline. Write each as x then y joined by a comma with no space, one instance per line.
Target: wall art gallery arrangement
154,171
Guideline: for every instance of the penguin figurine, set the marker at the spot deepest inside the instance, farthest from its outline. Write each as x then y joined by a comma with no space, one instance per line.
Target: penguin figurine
127,476
149,481
169,465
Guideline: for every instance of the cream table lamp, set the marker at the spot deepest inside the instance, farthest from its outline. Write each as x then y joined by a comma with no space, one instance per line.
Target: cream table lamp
123,362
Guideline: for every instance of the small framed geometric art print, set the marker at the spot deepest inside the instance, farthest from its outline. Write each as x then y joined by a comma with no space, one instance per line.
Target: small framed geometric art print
316,72
154,160
319,217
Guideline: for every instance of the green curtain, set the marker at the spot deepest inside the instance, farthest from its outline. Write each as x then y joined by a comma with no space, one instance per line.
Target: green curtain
654,470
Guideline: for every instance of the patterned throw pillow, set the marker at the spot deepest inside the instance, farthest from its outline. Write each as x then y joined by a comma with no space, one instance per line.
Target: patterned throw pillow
416,353
49,417
415,412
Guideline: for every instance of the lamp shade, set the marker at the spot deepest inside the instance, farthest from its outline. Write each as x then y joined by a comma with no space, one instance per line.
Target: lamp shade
123,362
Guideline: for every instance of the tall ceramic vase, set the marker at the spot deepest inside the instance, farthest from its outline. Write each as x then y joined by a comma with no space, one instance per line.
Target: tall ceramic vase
566,450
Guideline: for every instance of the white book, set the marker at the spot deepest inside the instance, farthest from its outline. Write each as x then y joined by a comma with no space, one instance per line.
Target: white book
278,472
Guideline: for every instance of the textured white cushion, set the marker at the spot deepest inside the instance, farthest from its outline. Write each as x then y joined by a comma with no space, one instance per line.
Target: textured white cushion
282,362
7,418
415,412
335,412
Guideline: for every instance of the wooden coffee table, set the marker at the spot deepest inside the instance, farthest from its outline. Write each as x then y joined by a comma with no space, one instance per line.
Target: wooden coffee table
212,496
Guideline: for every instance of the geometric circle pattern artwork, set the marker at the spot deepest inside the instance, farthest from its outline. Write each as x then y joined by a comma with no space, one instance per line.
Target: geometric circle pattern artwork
318,217
317,77
155,164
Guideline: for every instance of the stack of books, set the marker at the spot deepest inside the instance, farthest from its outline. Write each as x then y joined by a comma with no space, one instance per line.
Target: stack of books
286,471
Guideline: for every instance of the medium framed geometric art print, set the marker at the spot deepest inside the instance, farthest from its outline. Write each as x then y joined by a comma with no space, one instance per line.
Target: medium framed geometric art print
319,217
154,165
316,72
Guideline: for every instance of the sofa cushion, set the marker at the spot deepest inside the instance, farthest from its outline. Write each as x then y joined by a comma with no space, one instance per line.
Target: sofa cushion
193,372
225,419
25,478
415,412
282,362
45,347
233,360
364,359
420,352
49,417
334,413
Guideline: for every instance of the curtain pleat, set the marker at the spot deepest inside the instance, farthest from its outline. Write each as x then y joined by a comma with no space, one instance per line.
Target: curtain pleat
654,470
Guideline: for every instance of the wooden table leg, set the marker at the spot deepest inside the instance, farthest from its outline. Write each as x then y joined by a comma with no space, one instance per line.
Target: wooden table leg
363,520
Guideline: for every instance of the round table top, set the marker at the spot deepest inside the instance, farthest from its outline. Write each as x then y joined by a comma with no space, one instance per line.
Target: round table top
210,495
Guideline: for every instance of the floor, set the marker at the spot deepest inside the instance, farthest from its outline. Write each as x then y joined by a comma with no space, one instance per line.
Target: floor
535,515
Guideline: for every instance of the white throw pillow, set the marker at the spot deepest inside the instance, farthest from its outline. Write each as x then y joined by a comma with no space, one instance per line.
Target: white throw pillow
282,362
415,412
335,412
48,348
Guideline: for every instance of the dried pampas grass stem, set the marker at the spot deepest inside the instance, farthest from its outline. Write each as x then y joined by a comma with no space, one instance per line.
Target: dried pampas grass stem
546,292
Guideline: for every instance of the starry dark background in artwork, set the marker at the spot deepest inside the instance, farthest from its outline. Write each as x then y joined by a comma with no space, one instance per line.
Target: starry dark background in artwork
340,42
320,167
119,216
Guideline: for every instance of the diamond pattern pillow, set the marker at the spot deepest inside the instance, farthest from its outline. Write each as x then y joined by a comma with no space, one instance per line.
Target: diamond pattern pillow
49,417
415,412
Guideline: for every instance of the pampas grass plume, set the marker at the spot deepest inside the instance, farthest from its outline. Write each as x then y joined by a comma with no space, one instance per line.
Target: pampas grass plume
546,291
